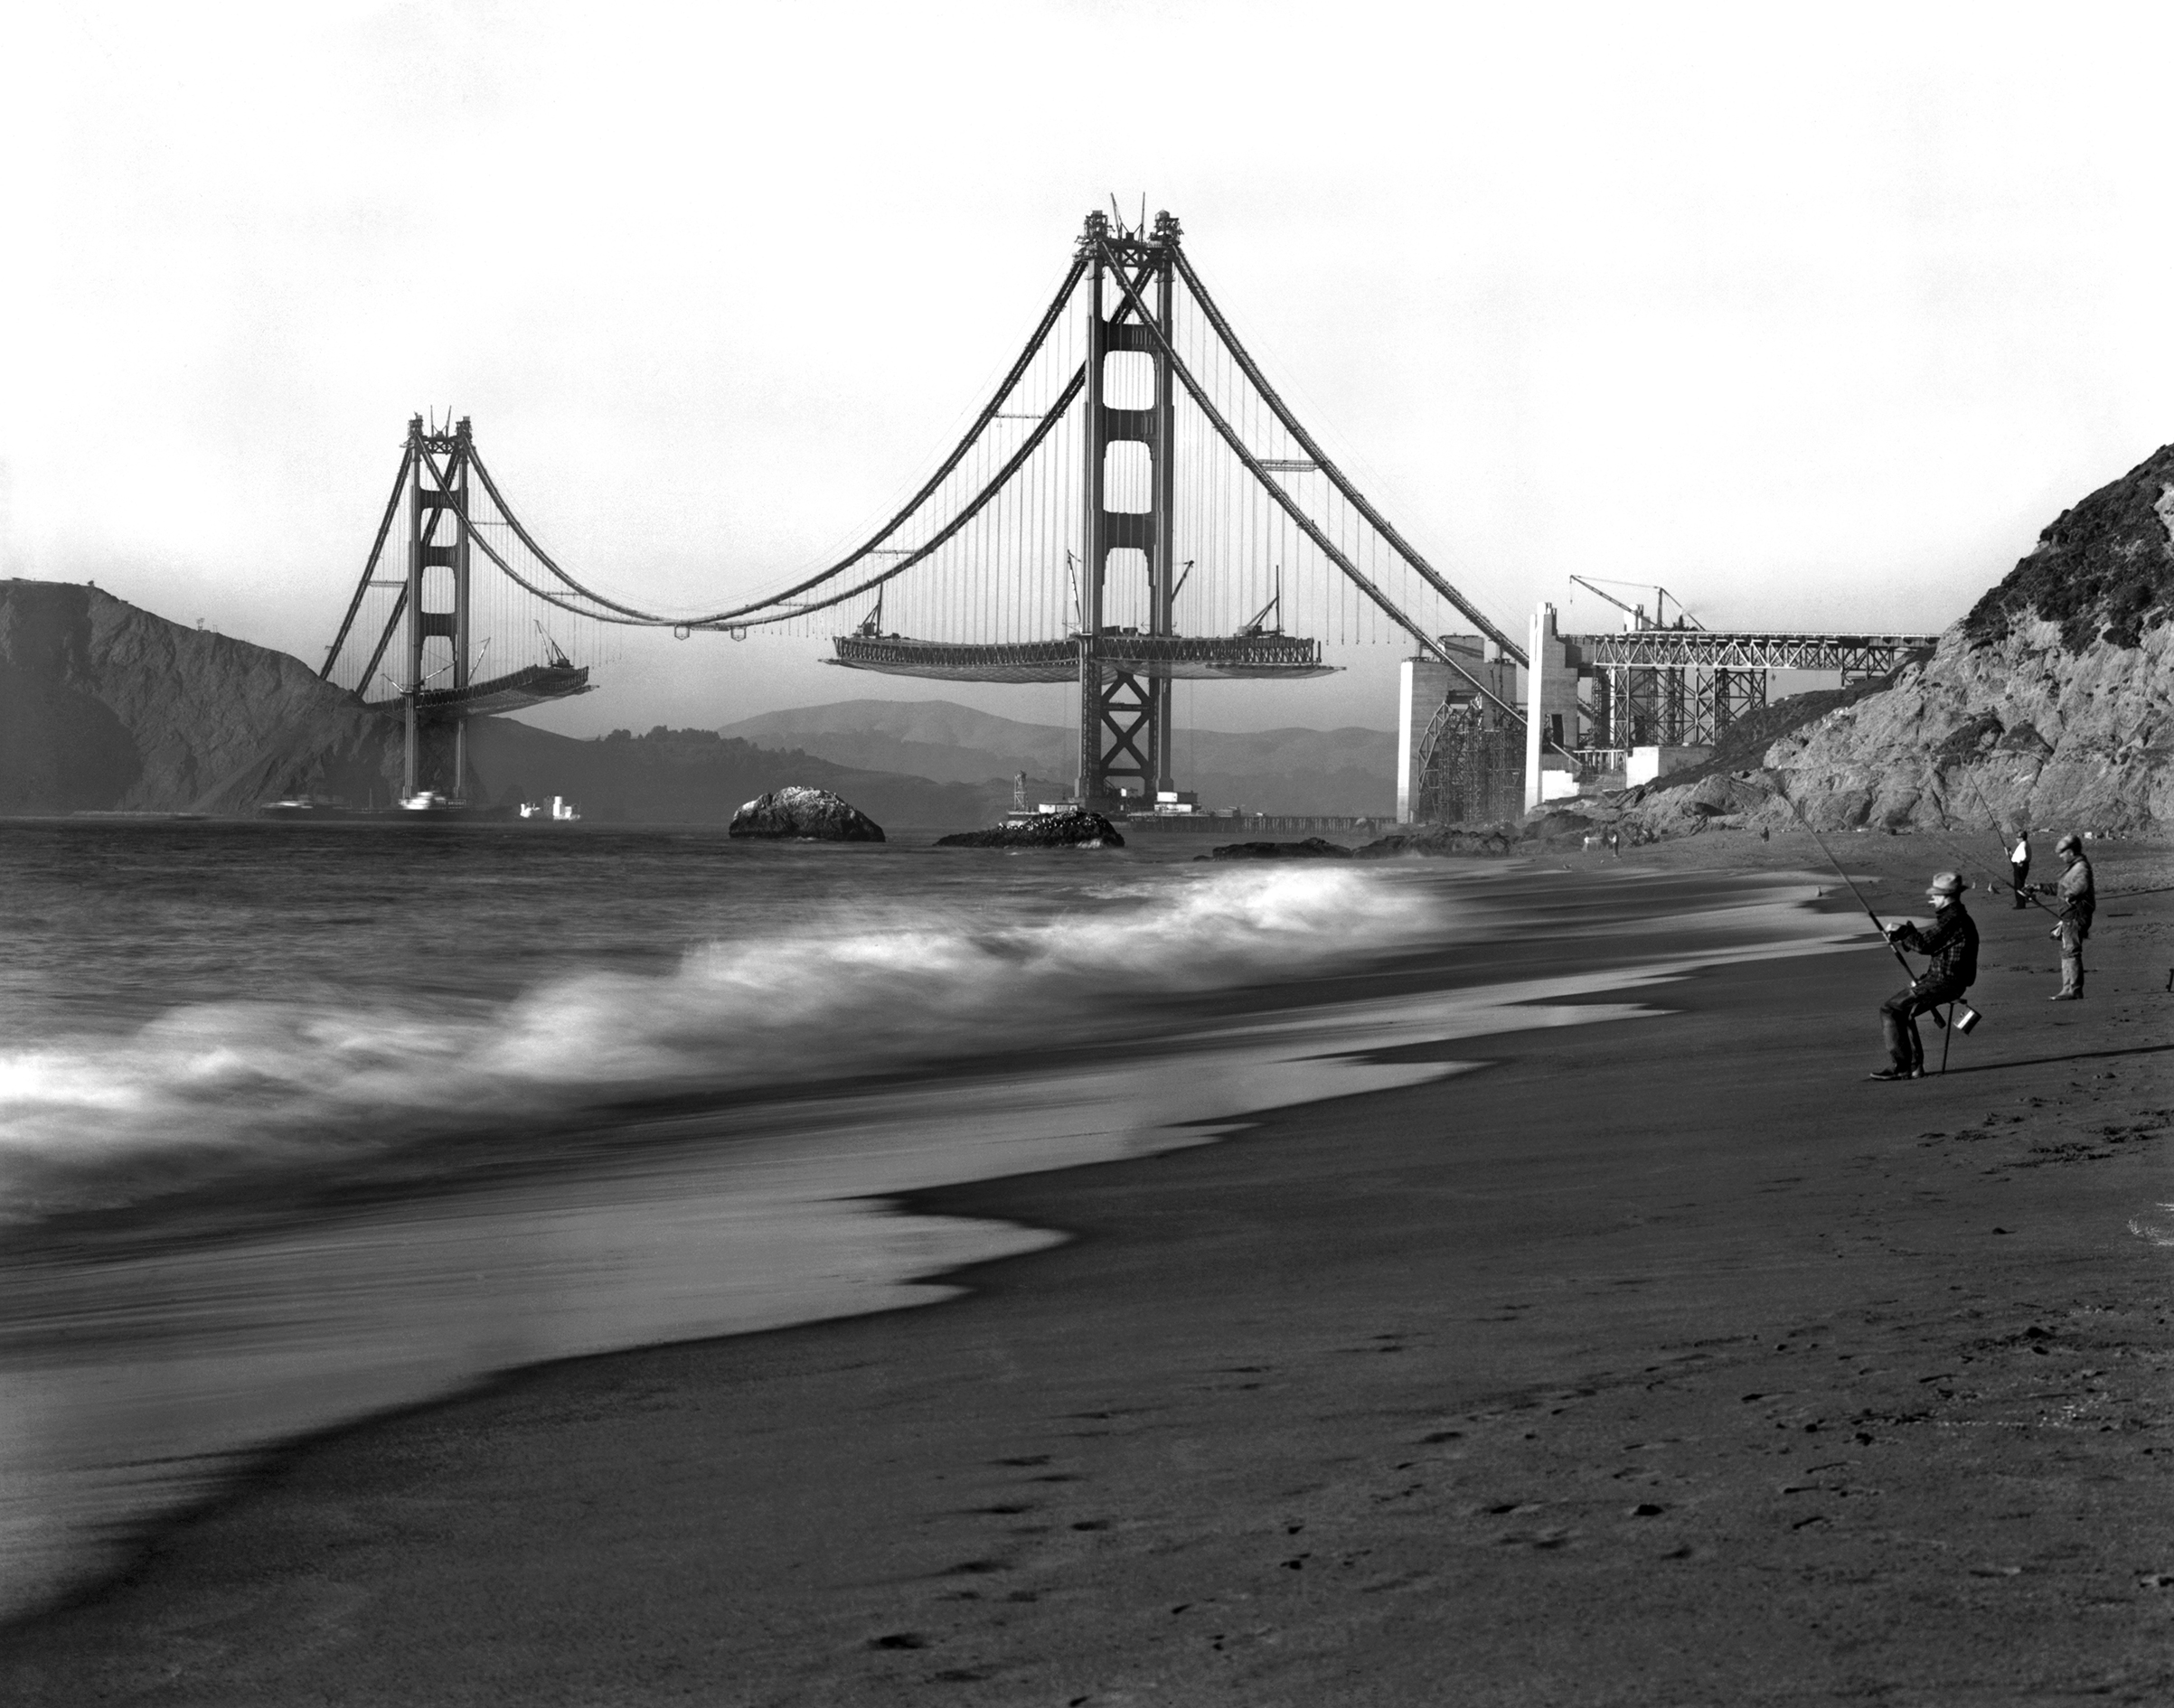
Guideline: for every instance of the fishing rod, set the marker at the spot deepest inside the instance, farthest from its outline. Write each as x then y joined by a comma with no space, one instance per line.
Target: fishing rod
1966,860
1993,824
1893,948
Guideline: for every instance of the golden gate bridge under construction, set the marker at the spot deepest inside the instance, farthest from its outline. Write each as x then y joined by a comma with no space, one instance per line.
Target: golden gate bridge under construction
1134,505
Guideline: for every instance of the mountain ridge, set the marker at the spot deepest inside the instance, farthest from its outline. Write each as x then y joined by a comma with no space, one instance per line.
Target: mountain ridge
1290,769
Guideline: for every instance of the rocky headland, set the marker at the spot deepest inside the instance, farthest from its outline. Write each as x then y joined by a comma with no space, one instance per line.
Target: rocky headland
105,708
2048,704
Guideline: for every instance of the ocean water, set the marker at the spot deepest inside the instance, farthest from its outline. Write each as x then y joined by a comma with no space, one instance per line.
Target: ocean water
299,1124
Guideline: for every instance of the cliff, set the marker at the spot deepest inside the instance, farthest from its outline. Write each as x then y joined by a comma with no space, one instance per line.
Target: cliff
2049,704
104,707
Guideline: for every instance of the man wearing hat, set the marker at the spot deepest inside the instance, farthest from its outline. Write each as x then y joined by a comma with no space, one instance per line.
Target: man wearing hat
1950,943
2079,894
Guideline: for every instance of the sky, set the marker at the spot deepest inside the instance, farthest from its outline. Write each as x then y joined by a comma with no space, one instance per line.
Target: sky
1813,315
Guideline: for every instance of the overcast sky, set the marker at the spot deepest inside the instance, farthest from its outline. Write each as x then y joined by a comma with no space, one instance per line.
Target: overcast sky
1816,315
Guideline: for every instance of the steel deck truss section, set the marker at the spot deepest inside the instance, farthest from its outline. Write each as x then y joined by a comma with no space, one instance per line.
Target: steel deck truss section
1747,649
532,685
1157,657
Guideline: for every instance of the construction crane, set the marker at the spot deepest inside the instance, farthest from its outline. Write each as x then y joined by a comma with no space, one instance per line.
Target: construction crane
1636,613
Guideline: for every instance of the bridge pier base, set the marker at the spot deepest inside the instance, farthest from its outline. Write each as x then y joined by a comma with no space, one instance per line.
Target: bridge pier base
1550,711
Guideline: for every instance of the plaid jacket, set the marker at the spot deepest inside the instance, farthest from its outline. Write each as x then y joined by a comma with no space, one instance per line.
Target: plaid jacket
1952,946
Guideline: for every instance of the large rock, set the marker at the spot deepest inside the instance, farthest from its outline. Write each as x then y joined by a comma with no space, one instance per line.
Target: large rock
810,815
1315,848
2045,706
1044,830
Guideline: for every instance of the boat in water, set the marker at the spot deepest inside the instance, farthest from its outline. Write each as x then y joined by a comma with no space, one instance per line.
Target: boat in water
427,806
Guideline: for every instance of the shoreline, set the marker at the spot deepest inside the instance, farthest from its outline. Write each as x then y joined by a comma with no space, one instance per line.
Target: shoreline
799,1401
222,1330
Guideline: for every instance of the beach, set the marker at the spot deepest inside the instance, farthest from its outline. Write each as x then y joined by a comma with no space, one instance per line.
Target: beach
1658,1358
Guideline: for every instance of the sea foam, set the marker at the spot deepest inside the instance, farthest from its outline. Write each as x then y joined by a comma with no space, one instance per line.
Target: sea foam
209,1090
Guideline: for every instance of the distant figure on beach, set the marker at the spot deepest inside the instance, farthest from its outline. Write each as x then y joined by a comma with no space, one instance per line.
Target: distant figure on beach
2078,894
1951,947
2019,865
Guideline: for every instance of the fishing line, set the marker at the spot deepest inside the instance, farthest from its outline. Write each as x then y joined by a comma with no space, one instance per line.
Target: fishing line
1895,948
1993,818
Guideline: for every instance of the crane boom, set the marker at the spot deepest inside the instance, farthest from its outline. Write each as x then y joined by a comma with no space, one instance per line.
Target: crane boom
1636,613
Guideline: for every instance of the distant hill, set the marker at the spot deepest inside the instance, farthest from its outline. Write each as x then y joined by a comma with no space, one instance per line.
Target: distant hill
107,707
696,776
1335,771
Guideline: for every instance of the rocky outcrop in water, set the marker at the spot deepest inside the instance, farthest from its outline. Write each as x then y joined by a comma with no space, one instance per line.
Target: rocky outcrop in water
1044,830
105,708
2047,705
1315,848
1442,839
808,815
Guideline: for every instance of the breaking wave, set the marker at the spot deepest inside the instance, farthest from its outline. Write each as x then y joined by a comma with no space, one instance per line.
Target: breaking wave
213,1090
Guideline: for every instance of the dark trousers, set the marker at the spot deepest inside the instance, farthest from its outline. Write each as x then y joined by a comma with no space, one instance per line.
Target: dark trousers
1898,1021
2020,873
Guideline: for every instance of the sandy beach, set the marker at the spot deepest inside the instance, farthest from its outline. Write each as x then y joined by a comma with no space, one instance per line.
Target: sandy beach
1659,1360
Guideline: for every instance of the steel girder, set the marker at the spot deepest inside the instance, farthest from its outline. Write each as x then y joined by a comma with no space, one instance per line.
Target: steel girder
1162,657
1748,650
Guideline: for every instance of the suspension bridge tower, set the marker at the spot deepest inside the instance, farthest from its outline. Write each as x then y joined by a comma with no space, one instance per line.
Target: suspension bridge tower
421,621
438,492
1125,721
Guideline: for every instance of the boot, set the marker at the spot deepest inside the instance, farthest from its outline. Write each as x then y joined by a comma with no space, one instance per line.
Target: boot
2072,980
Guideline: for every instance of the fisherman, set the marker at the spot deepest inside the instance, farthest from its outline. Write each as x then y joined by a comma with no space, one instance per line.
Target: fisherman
2019,865
1951,945
2078,896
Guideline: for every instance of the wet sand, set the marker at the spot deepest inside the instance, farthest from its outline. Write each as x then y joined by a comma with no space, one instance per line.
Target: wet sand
1657,1360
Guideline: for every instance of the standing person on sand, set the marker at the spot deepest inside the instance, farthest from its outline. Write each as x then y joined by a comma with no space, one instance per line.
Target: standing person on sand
2078,894
1952,944
2019,865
